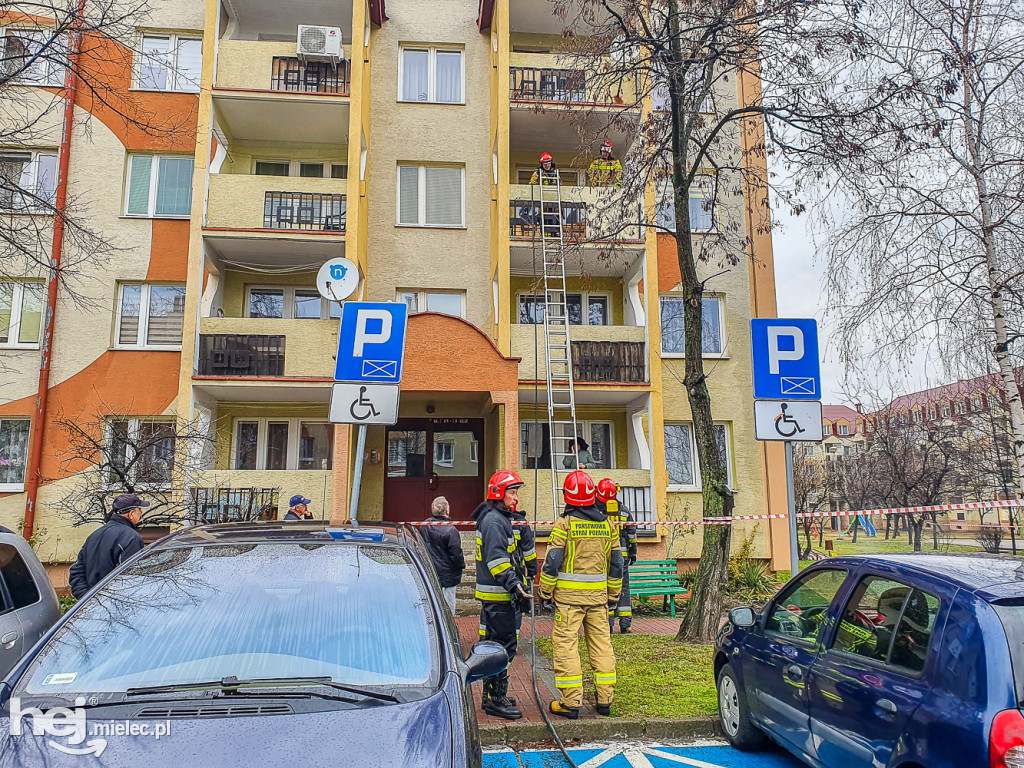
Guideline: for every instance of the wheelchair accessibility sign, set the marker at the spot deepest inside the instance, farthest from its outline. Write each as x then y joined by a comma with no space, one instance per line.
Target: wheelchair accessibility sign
355,403
797,421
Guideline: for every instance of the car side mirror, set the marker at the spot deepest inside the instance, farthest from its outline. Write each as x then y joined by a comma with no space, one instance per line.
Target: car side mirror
486,660
743,617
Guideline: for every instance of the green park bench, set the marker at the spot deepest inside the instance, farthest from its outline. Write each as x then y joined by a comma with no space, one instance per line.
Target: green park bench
656,577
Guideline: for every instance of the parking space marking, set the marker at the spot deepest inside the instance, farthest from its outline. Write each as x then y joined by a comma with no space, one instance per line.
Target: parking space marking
705,755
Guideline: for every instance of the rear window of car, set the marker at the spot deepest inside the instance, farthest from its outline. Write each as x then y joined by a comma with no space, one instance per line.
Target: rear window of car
359,614
1011,614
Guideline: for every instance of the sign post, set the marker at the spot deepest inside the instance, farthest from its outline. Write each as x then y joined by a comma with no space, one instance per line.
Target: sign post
787,396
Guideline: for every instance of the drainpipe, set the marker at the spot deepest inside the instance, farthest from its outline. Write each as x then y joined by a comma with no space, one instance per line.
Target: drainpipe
33,473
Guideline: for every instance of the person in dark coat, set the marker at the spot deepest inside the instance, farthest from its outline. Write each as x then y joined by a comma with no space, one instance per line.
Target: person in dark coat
108,546
445,548
298,508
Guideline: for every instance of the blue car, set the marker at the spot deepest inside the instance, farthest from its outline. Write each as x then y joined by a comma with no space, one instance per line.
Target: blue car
254,644
896,661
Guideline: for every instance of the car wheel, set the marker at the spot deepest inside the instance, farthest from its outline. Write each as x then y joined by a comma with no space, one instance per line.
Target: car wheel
735,715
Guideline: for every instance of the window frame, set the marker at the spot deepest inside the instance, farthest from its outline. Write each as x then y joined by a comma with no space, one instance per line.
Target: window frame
945,410
421,298
32,207
664,199
17,306
584,426
173,49
720,298
17,487
295,168
134,427
421,196
729,457
50,78
844,430
292,450
154,186
432,51
289,302
143,332
585,297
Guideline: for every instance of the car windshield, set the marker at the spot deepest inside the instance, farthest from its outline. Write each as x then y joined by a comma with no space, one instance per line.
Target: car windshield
358,614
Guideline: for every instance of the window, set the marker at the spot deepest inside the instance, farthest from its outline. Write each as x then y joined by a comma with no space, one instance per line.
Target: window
800,610
271,168
535,445
149,316
844,429
961,407
289,302
976,404
445,302
961,516
159,185
13,453
169,63
28,181
931,413
701,202
444,452
34,56
431,196
140,451
944,410
16,575
888,622
918,416
531,309
308,169
283,444
673,332
826,429
661,96
681,455
431,75
21,314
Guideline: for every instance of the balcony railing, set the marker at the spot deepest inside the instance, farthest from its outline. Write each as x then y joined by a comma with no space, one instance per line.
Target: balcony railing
568,86
310,211
224,354
291,74
233,505
525,220
596,362
637,499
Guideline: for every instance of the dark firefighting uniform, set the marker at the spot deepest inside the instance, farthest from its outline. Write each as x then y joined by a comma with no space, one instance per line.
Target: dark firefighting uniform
582,573
619,513
527,554
498,571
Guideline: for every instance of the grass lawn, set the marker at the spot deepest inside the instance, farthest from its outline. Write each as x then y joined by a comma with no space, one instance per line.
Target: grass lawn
657,677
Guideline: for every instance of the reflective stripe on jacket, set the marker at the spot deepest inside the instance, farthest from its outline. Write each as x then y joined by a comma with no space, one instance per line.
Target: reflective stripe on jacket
605,173
583,564
496,575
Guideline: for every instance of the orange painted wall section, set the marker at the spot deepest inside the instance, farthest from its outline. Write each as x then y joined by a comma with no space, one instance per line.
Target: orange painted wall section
449,354
168,256
668,263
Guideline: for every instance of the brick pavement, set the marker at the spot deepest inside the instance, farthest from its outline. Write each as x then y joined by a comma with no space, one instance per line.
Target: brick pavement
520,675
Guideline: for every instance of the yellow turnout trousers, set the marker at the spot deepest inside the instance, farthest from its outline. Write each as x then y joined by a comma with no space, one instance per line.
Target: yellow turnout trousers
565,638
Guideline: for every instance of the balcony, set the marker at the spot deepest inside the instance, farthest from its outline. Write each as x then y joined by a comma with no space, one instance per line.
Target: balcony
231,355
588,214
536,78
243,346
279,203
230,495
601,354
266,66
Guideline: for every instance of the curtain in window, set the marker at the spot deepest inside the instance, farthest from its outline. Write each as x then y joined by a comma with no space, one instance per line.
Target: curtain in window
13,450
307,305
601,444
679,454
444,196
138,184
700,212
166,314
15,175
32,302
190,64
408,195
316,445
597,310
415,66
153,63
46,177
131,309
174,186
448,70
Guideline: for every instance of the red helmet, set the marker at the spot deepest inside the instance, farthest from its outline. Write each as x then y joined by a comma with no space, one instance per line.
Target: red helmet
502,481
606,490
607,145
579,489
545,158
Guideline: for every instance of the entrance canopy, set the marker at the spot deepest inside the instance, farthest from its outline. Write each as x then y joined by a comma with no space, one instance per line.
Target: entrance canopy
444,353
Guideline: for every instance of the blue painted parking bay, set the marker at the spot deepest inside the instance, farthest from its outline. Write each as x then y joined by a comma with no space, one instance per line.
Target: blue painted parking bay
646,755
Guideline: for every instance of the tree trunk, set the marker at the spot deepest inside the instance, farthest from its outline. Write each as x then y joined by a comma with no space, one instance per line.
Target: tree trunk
888,525
821,534
916,527
855,527
935,531
807,535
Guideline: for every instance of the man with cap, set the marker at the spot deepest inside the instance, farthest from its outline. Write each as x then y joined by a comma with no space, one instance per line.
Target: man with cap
298,508
606,171
108,546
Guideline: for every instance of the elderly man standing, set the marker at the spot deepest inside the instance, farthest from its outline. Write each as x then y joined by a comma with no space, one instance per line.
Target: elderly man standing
109,546
445,548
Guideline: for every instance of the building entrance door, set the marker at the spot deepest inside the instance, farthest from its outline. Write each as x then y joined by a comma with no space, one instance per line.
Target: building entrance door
427,458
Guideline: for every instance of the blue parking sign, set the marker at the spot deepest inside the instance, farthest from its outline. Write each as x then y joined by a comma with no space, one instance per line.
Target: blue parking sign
786,365
371,343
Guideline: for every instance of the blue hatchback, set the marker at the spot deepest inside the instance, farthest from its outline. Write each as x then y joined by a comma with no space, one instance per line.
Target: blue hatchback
896,661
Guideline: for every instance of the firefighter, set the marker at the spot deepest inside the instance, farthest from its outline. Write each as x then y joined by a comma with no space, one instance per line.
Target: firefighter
547,169
500,585
582,573
605,171
527,549
617,512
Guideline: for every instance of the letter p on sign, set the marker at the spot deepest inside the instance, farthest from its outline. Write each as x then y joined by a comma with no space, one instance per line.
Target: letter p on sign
363,333
776,355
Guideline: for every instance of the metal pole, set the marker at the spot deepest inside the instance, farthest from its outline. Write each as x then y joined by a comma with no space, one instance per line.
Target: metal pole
353,505
794,553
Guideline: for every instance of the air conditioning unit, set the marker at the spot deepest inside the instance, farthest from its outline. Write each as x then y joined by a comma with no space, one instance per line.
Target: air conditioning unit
319,44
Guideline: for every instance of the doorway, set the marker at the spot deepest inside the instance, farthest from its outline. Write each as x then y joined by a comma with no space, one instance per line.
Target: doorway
427,458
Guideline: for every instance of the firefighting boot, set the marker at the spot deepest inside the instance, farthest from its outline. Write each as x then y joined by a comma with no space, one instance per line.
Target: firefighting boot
499,704
605,710
558,708
485,696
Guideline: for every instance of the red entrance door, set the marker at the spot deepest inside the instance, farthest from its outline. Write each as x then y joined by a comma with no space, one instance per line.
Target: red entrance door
427,458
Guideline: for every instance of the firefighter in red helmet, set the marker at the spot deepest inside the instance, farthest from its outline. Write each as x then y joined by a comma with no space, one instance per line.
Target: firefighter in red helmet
582,573
500,582
619,514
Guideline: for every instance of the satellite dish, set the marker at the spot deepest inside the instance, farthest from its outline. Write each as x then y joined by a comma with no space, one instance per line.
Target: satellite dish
337,279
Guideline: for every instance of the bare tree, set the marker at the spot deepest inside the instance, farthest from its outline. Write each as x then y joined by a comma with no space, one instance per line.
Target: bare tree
812,491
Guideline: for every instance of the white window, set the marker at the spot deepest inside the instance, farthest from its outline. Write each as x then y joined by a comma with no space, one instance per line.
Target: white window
918,416
944,410
976,404
169,63
445,302
312,169
21,314
702,205
535,445
140,451
283,444
826,429
444,452
14,434
681,455
844,429
34,56
28,180
159,185
661,97
149,316
961,407
290,302
432,75
531,309
431,195
931,413
673,330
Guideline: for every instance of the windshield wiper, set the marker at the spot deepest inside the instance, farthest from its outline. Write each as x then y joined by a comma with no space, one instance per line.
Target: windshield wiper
232,683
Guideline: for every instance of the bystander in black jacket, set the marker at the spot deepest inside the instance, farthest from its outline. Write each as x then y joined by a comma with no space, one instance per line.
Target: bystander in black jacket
104,550
445,548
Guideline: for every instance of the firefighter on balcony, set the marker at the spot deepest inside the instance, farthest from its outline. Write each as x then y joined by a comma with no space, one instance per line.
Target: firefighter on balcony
500,585
605,171
619,514
547,175
582,573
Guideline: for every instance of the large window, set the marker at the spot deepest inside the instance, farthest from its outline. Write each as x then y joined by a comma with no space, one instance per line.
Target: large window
701,203
149,316
13,453
445,302
431,75
800,611
21,314
140,451
431,195
531,309
28,181
34,56
535,445
673,329
169,63
290,302
283,444
681,455
312,169
159,185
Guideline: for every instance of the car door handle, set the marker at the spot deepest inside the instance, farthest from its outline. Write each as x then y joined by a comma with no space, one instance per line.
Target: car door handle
8,640
886,706
794,672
